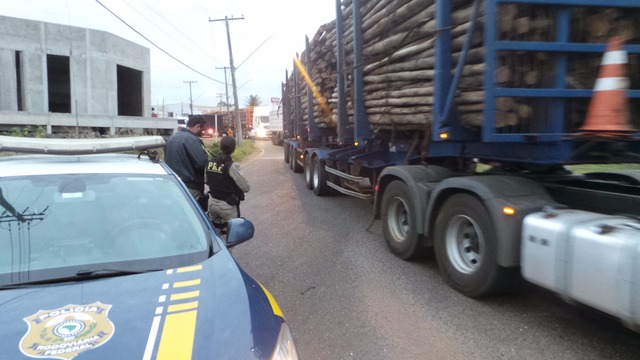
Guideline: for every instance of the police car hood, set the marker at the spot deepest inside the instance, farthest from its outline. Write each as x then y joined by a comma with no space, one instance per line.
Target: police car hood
211,310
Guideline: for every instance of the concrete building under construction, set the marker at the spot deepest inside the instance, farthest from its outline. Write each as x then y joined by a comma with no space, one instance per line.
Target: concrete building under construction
63,77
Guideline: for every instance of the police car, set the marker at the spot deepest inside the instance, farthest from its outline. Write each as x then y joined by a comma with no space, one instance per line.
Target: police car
107,256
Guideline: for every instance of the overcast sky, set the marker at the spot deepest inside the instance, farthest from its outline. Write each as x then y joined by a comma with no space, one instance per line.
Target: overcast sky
264,42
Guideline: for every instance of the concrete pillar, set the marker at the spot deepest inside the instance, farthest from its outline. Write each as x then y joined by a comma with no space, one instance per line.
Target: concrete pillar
8,81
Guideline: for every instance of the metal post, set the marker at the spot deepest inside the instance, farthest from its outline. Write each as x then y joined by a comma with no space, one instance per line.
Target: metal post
361,122
297,115
345,133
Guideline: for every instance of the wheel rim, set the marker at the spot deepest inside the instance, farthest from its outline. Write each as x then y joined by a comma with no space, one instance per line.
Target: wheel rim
398,219
464,244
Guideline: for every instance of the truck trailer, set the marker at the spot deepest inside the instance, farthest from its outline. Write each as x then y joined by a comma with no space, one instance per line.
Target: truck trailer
460,119
214,124
260,117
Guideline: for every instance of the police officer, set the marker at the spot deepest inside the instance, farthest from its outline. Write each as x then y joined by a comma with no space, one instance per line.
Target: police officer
227,184
186,155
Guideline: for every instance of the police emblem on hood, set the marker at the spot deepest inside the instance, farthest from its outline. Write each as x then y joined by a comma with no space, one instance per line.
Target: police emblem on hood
65,332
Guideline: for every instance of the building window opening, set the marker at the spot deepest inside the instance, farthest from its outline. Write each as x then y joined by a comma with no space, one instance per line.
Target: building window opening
59,83
19,81
129,92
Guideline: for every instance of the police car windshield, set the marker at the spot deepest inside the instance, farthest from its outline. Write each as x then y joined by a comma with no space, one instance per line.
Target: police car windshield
49,223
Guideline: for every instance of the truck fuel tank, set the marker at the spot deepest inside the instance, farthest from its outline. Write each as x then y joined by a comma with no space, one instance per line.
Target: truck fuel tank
588,257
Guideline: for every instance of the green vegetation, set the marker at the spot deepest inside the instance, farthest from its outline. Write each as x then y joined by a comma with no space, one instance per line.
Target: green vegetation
28,131
253,100
246,148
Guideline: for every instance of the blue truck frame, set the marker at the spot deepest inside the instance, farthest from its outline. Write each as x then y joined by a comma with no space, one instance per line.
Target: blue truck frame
552,143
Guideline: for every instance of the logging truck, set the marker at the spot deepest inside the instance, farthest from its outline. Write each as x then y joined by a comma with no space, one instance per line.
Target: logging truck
460,121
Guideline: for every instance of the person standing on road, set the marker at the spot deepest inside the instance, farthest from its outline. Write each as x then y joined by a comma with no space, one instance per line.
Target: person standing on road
227,184
252,135
185,154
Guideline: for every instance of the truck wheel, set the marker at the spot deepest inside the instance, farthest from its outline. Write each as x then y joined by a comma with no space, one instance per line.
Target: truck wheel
308,172
292,159
295,166
286,154
319,183
399,211
466,249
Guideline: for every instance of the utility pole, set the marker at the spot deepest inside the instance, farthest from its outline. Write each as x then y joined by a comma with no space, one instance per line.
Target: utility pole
226,89
190,98
219,102
233,77
220,109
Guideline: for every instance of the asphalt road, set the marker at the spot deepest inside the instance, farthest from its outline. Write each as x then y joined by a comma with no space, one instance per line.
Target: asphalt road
346,296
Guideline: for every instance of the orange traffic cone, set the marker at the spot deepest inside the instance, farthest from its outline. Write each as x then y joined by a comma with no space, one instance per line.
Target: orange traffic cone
608,113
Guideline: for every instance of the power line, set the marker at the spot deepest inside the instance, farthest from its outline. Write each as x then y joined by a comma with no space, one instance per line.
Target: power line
254,51
177,29
157,47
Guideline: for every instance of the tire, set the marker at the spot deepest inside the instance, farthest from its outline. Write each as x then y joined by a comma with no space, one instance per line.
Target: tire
286,154
319,179
466,248
291,159
295,166
308,171
399,225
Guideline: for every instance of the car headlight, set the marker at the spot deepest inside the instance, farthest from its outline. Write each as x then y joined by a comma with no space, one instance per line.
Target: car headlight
285,347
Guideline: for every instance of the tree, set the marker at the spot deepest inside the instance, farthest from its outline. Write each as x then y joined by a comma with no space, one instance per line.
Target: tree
253,100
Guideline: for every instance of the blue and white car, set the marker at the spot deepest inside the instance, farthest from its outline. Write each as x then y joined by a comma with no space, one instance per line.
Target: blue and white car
107,256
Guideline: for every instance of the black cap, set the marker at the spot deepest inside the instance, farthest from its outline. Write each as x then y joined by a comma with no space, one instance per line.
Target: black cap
227,145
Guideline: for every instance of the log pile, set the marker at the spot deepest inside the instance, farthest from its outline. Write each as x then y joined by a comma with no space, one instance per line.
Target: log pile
398,47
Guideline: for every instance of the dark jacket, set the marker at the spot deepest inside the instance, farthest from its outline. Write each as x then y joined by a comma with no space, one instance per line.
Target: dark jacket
221,184
186,156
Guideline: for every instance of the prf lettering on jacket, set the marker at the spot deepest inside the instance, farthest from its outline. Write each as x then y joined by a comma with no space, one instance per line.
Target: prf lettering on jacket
215,167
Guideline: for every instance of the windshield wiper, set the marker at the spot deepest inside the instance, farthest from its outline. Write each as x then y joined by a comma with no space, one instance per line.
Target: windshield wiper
110,272
80,275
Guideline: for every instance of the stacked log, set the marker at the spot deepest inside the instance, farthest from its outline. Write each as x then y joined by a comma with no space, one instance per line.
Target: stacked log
398,47
320,77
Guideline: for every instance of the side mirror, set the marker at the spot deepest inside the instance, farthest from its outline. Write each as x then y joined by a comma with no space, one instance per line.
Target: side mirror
239,230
